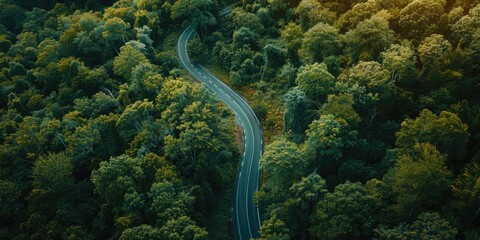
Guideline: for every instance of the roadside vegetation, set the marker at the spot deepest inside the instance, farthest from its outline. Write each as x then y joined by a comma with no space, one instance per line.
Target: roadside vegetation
371,111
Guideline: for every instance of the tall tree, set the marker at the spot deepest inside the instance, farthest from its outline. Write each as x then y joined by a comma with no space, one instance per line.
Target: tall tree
445,131
169,201
372,76
341,106
315,81
418,19
326,139
319,42
466,193
282,164
183,228
369,38
420,179
292,35
127,60
427,226
295,115
349,212
115,32
433,52
195,12
116,178
400,61
311,12
141,232
274,229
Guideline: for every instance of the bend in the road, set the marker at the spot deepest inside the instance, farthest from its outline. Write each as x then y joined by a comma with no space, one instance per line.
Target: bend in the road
247,217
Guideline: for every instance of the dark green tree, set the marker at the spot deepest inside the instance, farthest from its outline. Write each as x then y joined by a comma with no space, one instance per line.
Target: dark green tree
349,212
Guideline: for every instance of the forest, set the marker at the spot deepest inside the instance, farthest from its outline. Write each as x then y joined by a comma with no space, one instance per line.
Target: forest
371,113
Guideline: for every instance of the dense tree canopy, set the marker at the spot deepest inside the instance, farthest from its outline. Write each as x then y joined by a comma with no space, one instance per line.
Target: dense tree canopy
370,110
381,92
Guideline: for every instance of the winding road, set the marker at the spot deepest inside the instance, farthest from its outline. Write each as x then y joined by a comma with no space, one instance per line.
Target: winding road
246,217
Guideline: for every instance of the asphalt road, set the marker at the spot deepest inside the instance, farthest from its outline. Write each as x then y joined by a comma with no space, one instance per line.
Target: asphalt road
247,217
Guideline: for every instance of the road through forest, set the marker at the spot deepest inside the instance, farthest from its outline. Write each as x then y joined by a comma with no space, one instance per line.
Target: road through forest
246,214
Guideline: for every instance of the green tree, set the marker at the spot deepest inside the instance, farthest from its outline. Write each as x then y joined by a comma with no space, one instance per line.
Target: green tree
134,118
427,226
319,42
10,204
418,19
295,116
466,193
169,201
315,81
195,12
369,38
326,139
53,173
244,36
463,29
183,228
400,61
48,52
311,12
127,60
34,20
281,164
445,131
304,194
373,77
117,177
12,16
347,213
141,232
341,106
292,35
274,59
420,179
308,191
248,20
115,32
274,229
358,13
473,54
192,146
433,51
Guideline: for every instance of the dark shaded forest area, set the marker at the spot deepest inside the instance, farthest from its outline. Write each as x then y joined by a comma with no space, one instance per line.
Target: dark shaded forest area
101,135
381,115
371,111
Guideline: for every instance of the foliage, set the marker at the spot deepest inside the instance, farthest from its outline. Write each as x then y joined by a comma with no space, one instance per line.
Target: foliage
102,136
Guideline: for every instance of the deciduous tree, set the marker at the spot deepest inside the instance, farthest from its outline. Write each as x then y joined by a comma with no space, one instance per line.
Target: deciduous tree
349,212
319,42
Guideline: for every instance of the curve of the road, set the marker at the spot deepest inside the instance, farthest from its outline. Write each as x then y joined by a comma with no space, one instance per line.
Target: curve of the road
246,216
